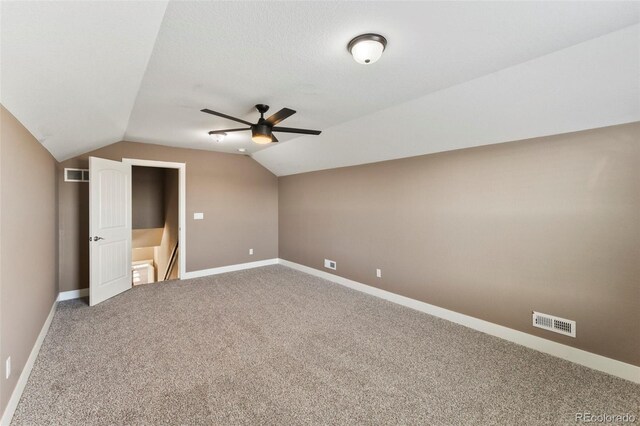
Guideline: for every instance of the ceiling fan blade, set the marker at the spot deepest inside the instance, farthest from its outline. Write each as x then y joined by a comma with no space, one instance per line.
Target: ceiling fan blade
273,138
292,130
280,115
217,132
228,117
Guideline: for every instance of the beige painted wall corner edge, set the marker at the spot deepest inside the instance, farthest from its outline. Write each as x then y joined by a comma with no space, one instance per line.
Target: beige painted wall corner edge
26,371
597,362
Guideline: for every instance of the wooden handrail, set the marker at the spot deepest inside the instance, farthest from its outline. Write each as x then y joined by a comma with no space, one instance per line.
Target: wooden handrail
172,261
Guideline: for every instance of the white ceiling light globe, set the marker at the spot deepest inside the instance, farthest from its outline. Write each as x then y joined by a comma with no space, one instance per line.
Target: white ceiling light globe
367,52
367,48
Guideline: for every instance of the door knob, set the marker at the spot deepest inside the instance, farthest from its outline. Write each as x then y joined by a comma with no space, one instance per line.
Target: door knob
97,238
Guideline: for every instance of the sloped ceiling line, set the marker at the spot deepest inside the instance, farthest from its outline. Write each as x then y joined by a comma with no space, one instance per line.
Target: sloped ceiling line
588,85
80,75
146,70
71,70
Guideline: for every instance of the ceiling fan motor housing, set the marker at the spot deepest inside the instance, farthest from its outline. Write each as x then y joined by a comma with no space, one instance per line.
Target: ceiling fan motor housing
262,129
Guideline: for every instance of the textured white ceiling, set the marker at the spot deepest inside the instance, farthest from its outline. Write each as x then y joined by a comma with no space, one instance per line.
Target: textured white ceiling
589,85
77,77
70,71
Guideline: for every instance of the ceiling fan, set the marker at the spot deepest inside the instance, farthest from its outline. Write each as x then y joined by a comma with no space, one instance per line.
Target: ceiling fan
262,131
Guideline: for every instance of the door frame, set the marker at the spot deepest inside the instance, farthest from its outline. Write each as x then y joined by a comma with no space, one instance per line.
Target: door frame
182,192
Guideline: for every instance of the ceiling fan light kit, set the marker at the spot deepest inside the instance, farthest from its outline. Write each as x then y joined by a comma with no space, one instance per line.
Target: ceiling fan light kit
217,137
367,48
262,131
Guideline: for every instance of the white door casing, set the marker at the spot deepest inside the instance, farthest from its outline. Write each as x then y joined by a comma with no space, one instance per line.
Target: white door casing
182,209
109,229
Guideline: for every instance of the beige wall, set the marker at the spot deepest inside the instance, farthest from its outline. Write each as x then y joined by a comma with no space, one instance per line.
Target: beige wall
239,199
148,237
549,224
28,245
147,197
142,253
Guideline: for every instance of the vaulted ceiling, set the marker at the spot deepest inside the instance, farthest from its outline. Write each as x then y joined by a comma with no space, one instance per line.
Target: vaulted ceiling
80,75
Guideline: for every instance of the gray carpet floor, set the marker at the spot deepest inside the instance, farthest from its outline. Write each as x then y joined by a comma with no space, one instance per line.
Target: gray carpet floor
276,346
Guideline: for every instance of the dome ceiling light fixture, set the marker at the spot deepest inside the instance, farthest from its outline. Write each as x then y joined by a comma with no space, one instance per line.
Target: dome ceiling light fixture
367,48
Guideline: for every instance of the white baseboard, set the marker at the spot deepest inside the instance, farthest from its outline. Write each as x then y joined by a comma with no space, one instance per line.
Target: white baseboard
73,294
26,370
84,292
229,268
569,353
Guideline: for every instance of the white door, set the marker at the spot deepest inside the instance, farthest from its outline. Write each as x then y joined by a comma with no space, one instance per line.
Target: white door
109,229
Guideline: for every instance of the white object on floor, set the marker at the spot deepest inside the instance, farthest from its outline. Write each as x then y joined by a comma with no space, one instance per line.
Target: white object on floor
143,272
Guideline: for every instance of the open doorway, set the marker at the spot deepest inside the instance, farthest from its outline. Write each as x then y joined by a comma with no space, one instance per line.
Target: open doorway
111,231
155,229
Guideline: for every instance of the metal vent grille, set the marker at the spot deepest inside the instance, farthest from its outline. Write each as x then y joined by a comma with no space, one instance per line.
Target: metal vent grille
555,324
76,175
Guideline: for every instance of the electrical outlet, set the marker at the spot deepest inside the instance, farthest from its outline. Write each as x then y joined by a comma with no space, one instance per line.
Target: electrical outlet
379,273
7,368
198,216
251,252
330,264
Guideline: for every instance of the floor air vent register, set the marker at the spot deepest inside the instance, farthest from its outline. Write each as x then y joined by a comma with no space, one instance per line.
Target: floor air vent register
555,324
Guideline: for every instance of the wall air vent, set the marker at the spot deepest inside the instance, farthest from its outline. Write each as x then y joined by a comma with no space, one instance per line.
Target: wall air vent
76,175
330,264
556,324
